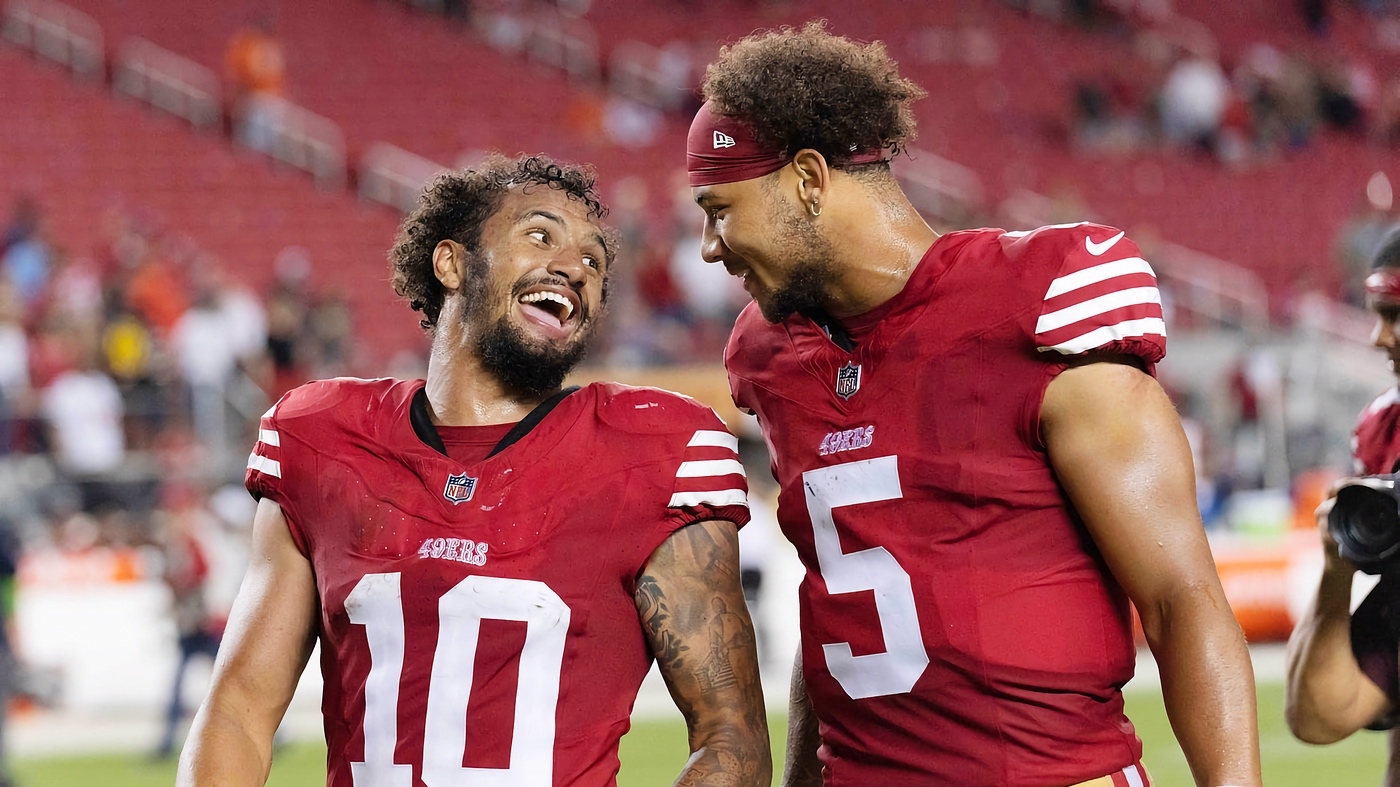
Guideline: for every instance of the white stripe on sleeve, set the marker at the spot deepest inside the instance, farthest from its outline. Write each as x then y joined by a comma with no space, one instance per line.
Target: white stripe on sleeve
269,437
1108,270
1095,306
714,438
719,497
264,465
1148,326
710,467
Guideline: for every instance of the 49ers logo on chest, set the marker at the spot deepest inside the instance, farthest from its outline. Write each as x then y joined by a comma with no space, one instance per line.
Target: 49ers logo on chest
848,380
460,488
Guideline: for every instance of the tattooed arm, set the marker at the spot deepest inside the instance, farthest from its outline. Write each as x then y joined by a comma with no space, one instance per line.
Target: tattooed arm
692,609
801,768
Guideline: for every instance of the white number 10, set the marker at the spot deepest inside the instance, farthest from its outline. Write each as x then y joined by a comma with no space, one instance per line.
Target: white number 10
897,669
377,604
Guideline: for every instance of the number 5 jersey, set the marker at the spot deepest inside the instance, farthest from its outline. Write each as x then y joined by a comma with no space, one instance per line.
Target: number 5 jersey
477,619
958,625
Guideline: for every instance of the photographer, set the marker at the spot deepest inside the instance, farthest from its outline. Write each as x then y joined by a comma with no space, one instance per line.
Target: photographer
1344,668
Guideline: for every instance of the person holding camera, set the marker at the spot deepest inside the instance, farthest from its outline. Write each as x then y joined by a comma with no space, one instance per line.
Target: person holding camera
1344,667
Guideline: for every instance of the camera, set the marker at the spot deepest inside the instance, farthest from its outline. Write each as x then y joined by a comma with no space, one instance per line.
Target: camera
1365,523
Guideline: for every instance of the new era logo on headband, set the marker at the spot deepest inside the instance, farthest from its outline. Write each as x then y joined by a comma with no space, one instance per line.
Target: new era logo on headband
723,140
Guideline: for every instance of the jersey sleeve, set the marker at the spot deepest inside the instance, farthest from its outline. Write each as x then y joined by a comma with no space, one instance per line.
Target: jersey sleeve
263,477
710,481
1103,298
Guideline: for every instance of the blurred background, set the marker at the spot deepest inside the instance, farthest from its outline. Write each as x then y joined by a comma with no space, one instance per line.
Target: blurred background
196,200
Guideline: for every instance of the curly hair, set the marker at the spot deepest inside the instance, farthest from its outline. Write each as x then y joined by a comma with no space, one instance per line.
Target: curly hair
456,205
809,88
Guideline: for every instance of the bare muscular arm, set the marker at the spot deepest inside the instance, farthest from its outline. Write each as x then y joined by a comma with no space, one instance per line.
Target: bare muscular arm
692,608
1117,446
269,638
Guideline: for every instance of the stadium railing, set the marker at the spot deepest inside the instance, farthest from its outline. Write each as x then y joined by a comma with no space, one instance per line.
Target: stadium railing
57,33
168,82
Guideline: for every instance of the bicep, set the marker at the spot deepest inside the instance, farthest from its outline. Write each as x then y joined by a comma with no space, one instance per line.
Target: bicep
1117,446
272,626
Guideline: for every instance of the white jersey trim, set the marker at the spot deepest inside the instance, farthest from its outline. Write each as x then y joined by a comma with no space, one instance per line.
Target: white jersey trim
710,467
1134,296
1102,272
264,465
1148,326
719,497
269,437
714,438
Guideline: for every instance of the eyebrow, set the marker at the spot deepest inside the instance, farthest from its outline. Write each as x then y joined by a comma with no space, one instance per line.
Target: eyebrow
557,219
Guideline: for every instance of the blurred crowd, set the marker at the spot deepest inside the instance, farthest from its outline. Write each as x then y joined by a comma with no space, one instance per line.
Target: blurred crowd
1175,85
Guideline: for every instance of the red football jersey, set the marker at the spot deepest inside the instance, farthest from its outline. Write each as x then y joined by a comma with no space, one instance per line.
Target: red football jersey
1375,444
958,625
477,621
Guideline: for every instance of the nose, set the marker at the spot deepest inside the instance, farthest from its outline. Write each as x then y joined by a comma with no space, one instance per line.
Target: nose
569,264
712,248
1383,335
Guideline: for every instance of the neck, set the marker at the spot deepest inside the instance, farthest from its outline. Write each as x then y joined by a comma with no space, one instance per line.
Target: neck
461,392
879,243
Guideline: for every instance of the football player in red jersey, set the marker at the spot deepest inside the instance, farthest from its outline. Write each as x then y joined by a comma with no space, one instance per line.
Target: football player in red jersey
978,468
1344,667
490,562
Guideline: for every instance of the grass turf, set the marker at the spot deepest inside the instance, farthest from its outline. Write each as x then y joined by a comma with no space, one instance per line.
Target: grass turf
652,754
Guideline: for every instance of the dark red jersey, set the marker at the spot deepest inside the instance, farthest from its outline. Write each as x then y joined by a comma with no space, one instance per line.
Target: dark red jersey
958,625
1375,444
477,620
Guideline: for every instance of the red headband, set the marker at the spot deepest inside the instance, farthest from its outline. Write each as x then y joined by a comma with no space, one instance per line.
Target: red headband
1383,285
723,149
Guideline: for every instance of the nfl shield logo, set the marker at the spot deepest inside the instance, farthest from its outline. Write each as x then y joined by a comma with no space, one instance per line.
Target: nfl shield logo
459,488
848,380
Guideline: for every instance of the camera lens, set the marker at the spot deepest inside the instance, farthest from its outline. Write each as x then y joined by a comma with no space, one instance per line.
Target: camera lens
1366,525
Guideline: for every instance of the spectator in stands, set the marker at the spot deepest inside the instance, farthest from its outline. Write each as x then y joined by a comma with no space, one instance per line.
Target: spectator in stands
1193,101
257,68
14,366
84,411
24,256
186,572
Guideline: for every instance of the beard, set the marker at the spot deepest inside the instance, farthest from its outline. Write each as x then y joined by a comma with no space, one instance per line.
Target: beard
809,276
522,363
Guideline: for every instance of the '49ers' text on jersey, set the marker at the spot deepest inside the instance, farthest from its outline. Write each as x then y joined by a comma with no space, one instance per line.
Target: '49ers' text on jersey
958,626
477,620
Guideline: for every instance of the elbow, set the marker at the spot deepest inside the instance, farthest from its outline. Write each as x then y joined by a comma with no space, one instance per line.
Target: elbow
1309,729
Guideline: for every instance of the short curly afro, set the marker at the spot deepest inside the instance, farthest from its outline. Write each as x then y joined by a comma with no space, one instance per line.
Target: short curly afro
456,205
809,88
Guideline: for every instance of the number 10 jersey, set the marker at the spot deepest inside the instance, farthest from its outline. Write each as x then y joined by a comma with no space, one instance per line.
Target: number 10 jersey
958,625
477,620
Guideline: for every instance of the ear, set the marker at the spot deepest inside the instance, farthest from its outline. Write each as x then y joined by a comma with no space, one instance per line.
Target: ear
814,179
448,256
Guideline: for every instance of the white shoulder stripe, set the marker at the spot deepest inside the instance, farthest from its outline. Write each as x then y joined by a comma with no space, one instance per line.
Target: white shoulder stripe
269,437
264,465
1148,326
714,438
270,411
710,467
1108,270
719,497
1101,305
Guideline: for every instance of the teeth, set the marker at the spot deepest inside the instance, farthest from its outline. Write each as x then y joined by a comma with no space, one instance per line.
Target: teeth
554,297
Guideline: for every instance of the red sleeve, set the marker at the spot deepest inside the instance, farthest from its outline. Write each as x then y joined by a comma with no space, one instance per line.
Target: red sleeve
264,476
1103,299
710,482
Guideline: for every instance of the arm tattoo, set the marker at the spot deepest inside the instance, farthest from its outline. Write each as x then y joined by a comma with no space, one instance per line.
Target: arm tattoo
691,608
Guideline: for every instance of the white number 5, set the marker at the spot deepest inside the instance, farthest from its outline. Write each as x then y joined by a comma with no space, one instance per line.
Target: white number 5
897,669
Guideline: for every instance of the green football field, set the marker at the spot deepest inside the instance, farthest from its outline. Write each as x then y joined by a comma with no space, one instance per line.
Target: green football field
653,752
